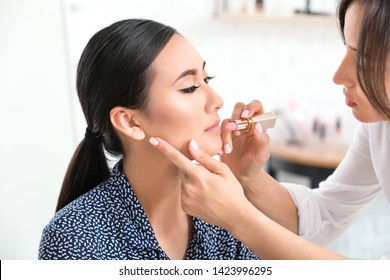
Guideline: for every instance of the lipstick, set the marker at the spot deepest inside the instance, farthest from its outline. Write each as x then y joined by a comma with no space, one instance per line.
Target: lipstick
267,120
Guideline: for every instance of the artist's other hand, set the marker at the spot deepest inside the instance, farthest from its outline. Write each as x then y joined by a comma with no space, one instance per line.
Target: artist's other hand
245,152
210,190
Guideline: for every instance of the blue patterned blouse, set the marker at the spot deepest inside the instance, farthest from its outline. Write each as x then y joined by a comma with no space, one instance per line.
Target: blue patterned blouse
108,222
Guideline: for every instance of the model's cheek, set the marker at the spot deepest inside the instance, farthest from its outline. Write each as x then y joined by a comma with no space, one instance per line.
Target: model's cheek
177,129
364,111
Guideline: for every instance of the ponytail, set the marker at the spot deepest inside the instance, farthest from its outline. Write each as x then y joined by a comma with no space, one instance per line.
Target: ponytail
87,168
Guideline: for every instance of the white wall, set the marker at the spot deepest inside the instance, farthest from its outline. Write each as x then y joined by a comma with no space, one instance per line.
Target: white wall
35,116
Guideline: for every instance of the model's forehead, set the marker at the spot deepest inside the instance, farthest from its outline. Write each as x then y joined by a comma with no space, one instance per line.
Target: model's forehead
353,19
178,55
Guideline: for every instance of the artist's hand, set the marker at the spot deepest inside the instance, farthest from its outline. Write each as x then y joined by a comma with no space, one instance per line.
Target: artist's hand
210,191
245,152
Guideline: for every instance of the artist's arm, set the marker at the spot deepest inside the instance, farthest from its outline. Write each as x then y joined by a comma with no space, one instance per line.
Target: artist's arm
270,240
211,192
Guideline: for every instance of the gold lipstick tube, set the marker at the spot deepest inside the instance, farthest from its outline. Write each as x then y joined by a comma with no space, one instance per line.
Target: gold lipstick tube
267,120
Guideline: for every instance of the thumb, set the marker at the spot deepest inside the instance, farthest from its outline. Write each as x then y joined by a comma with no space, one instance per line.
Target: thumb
205,159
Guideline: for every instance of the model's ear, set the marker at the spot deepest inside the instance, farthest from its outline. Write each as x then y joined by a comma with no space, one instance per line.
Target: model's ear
125,121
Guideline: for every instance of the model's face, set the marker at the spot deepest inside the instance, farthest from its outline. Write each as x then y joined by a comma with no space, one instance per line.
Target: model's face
182,106
346,74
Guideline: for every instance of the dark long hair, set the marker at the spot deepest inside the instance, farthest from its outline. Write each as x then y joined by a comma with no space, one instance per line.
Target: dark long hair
372,49
114,70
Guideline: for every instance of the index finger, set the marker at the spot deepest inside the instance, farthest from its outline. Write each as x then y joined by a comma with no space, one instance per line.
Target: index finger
176,157
226,134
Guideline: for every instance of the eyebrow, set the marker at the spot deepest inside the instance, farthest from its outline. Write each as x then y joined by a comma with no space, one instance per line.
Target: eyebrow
188,72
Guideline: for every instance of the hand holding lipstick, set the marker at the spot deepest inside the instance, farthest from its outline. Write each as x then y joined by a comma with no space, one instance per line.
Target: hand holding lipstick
246,151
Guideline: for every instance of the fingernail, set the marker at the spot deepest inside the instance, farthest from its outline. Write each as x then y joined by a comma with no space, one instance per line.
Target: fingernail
153,141
245,114
227,149
194,145
231,126
259,128
237,133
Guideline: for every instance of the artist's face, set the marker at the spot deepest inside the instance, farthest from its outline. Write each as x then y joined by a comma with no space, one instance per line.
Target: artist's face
346,74
182,106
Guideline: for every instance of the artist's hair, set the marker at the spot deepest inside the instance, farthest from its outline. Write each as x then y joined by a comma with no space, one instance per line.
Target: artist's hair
372,49
114,70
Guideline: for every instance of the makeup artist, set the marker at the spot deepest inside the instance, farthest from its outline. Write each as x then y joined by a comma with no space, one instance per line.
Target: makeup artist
291,221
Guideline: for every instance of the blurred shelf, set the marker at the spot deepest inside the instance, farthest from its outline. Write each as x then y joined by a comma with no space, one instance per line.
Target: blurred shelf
271,18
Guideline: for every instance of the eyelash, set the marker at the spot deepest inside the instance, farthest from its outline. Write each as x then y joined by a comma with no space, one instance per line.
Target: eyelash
208,79
194,88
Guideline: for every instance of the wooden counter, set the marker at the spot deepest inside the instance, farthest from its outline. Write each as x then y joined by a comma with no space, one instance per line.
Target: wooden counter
316,161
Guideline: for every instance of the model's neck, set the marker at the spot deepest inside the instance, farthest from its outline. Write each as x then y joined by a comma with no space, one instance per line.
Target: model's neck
157,186
154,180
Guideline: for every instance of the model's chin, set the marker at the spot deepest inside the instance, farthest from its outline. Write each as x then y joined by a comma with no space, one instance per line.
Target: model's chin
213,147
365,117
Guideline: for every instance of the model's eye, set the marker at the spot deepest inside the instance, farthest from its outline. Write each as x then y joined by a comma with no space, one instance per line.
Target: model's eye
190,89
208,79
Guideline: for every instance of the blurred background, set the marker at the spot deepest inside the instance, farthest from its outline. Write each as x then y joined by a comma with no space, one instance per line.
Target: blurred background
281,52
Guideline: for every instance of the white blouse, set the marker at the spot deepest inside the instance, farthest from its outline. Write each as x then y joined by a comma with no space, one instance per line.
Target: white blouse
360,178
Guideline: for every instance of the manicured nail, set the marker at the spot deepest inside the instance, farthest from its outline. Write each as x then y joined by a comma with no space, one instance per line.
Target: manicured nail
245,114
231,126
227,149
259,128
153,141
194,145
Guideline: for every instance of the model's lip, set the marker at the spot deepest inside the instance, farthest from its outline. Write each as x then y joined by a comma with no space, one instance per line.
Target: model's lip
349,102
215,126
